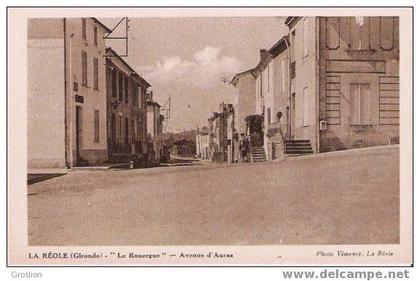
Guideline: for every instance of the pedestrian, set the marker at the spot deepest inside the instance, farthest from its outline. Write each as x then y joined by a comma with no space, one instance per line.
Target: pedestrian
243,146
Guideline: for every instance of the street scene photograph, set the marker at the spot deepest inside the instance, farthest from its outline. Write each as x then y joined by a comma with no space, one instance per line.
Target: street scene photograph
213,130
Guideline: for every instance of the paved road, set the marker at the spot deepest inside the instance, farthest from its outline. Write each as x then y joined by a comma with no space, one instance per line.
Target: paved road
350,197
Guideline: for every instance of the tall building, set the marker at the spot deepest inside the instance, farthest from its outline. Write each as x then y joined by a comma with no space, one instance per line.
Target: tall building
330,83
127,111
345,91
66,92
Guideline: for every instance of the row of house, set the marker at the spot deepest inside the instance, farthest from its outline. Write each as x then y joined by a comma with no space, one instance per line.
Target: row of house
330,83
86,105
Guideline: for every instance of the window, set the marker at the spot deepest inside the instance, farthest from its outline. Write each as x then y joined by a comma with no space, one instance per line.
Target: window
292,46
142,95
120,129
136,137
387,33
305,37
133,137
75,87
113,128
95,74
95,36
359,33
305,107
333,32
268,115
134,92
120,87
84,28
126,89
114,83
84,69
96,125
283,75
360,104
126,130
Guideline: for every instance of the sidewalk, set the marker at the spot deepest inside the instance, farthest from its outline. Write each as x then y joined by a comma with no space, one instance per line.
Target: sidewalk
353,151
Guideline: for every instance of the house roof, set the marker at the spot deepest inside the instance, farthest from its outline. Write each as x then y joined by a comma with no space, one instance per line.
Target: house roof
265,58
101,24
235,79
111,53
279,46
291,21
152,102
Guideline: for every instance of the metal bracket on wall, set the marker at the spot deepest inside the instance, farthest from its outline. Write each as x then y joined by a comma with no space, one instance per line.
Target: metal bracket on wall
123,21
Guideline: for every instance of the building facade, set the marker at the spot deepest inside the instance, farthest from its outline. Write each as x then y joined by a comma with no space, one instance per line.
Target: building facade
244,105
154,131
127,112
358,82
66,92
330,83
222,134
202,141
345,91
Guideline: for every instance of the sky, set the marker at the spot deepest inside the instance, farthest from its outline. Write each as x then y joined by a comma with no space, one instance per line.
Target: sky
187,59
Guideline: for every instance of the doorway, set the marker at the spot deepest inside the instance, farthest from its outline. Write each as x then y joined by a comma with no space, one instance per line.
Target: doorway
78,132
292,115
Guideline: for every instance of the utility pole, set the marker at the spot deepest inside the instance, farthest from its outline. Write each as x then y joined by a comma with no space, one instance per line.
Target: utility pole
167,109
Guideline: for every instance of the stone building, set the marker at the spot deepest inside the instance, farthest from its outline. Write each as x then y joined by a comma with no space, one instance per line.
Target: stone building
127,118
345,87
66,92
330,83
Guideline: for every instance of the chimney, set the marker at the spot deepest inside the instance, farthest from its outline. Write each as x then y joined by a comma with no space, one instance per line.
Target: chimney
263,53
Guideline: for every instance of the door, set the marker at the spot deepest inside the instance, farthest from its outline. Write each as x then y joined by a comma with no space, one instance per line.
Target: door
126,134
78,131
256,130
292,115
113,133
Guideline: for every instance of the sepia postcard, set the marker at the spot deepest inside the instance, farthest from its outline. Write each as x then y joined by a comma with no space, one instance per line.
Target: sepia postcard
268,136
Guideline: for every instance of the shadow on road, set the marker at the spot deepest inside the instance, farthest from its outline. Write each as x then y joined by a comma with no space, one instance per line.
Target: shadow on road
174,162
34,178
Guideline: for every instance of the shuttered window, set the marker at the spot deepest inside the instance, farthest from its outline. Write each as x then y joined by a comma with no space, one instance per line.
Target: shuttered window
360,106
305,107
84,29
95,36
120,87
387,33
95,74
126,81
96,125
84,69
359,33
283,75
114,83
333,32
306,36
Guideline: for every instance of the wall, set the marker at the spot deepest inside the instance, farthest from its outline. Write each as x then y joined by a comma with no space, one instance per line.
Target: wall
46,132
91,151
133,109
153,128
246,100
306,77
279,102
363,50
